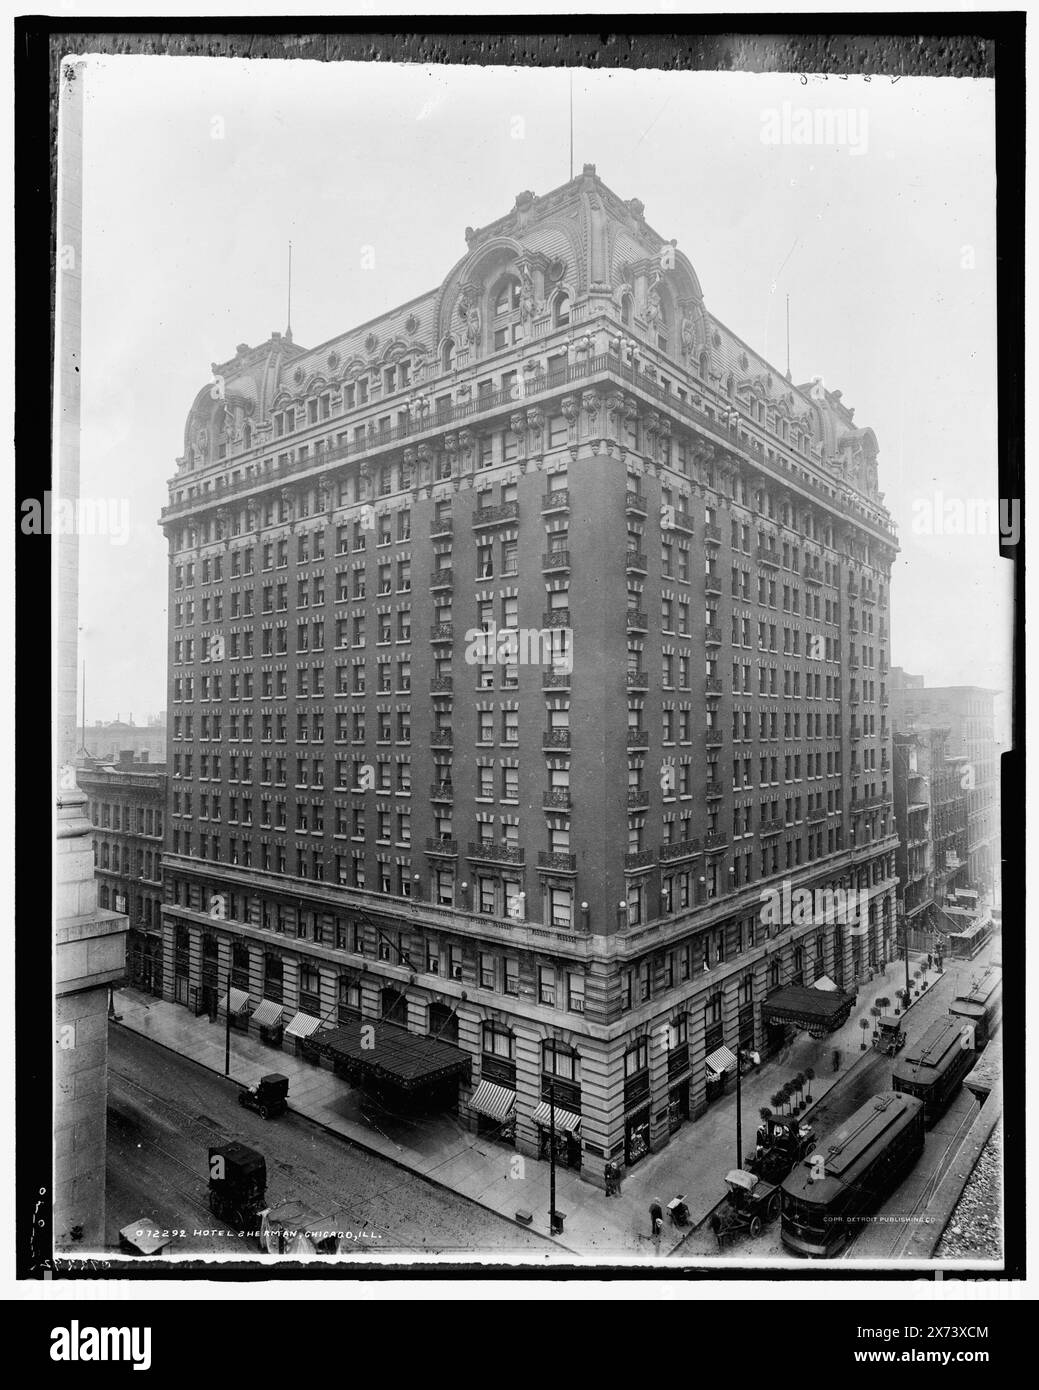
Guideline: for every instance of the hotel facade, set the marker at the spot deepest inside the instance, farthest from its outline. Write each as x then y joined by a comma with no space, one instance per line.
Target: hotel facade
546,848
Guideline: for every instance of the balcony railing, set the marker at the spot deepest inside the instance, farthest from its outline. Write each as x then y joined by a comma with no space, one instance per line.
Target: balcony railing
441,846
441,738
681,521
556,560
441,525
495,516
555,680
556,798
441,579
712,534
637,680
555,738
638,738
712,634
635,620
439,685
818,814
713,738
712,584
442,791
638,796
634,502
714,789
442,632
715,839
498,853
634,560
556,501
639,858
767,555
680,849
557,859
813,574
713,685
556,617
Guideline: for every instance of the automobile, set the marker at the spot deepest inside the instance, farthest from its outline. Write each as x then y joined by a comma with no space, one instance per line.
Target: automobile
889,1037
267,1097
749,1204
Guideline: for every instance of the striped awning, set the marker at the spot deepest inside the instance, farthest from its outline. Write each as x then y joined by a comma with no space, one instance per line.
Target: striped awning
267,1014
721,1061
239,1001
492,1100
565,1120
302,1026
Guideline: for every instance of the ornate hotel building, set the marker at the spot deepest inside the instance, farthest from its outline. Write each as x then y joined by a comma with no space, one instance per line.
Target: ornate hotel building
550,854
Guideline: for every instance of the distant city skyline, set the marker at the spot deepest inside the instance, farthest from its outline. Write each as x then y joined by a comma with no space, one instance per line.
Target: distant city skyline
886,248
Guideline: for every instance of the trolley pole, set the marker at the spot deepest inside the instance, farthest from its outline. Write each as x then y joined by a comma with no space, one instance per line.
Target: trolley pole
227,1029
552,1157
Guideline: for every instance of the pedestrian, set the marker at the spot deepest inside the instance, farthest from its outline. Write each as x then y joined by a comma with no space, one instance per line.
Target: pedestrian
836,1059
613,1186
656,1220
930,960
617,1173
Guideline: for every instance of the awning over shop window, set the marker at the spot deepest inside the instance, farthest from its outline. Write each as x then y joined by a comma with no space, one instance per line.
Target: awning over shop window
375,1050
818,1010
721,1061
267,1014
239,1001
494,1101
302,1026
565,1119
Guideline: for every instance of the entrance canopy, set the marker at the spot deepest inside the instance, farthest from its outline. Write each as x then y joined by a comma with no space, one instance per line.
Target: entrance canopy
374,1050
818,1010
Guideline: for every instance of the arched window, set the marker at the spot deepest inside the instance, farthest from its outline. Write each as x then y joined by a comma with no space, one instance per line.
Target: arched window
447,355
561,309
247,435
730,385
627,309
702,366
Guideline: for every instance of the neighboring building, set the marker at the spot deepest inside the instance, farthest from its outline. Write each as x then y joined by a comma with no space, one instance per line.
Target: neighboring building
555,860
127,811
967,712
931,805
107,741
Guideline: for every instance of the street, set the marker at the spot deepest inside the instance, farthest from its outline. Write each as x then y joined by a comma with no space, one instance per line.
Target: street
165,1111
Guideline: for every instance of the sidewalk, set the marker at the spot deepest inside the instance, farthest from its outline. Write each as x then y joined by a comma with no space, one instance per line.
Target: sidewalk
694,1163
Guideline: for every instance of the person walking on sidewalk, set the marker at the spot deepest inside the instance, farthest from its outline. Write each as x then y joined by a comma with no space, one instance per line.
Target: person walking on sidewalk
656,1221
836,1059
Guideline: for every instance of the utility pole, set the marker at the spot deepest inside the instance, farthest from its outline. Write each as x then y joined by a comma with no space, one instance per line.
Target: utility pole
739,1108
905,935
227,1028
552,1158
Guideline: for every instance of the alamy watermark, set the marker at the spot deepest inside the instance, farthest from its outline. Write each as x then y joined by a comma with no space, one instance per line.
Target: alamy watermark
842,127
939,515
520,646
787,906
76,516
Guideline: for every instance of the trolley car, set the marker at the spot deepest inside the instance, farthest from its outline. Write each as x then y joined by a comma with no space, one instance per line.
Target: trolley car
981,1005
966,944
933,1069
851,1174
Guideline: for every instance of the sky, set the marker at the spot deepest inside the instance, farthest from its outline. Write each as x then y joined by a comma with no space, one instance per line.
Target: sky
198,172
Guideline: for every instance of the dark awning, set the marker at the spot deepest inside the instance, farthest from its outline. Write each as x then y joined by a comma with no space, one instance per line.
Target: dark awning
818,1010
372,1049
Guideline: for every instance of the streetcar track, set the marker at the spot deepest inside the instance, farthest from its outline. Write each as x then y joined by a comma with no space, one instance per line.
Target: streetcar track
403,1234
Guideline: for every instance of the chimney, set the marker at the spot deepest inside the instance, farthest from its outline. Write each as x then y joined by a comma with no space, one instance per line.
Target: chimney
143,756
126,757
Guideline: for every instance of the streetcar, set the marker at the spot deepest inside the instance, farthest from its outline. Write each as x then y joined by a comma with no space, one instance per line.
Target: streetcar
981,1005
933,1069
966,944
851,1174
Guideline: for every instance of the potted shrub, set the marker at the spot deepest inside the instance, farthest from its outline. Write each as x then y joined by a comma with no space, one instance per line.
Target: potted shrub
809,1078
799,1083
864,1025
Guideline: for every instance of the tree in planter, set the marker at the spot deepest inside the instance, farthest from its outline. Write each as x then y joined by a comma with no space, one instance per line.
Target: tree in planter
784,1091
916,981
809,1078
799,1086
777,1101
864,1025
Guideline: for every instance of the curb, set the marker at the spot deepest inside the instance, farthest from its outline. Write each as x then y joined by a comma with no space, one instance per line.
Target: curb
349,1139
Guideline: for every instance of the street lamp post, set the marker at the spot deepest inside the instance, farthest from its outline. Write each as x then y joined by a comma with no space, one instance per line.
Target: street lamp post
739,1108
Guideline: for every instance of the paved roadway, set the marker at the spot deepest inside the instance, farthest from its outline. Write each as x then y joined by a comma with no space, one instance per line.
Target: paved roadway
165,1111
886,1239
